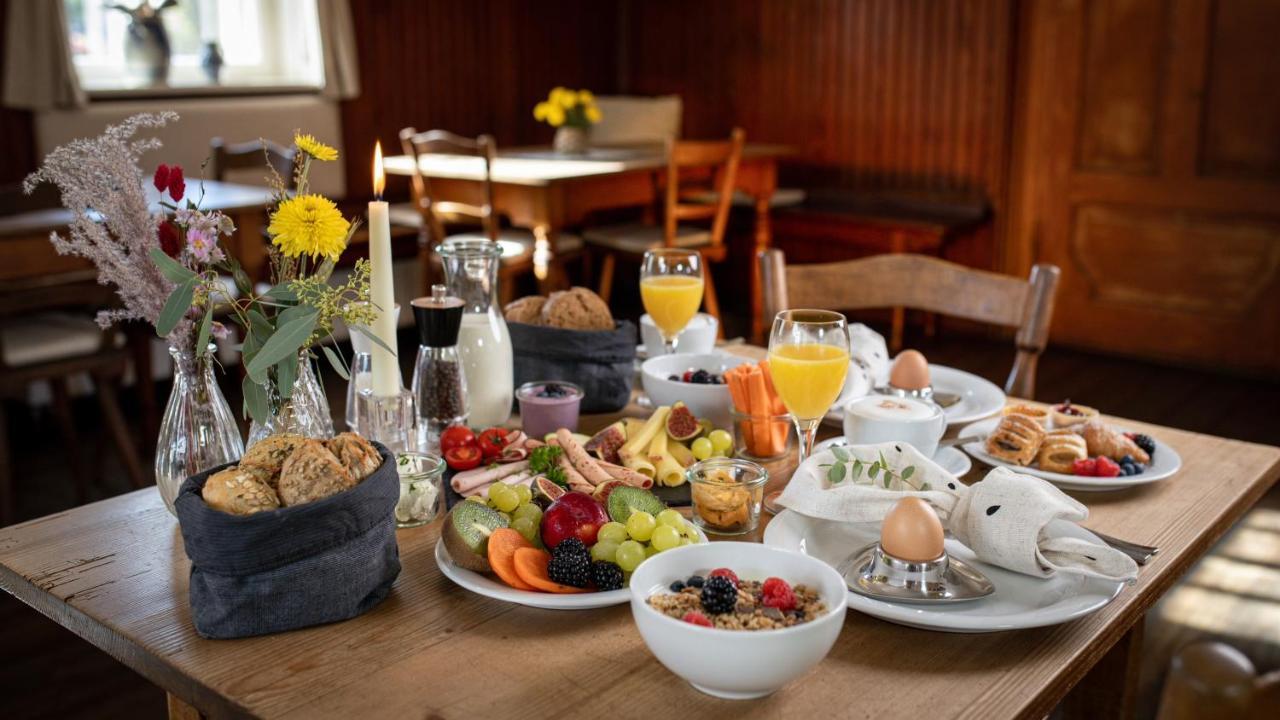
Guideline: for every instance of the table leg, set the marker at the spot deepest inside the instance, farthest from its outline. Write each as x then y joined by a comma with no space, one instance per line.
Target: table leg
180,710
1110,689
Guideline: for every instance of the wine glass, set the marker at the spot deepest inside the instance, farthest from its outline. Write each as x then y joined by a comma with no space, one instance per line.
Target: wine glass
808,361
671,289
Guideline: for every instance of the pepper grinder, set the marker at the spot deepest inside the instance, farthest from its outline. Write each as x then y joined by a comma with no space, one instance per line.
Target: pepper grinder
439,386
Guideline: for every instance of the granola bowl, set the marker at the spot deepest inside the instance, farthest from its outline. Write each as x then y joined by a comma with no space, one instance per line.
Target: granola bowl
742,663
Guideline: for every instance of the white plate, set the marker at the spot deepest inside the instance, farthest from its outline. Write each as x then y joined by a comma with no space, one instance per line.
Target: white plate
1164,462
948,458
979,397
491,587
1020,601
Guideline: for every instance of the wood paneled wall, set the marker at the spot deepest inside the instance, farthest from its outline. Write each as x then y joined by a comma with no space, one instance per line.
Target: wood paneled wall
17,131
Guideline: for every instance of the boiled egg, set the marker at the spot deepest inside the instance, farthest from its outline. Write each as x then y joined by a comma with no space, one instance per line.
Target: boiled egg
910,371
912,531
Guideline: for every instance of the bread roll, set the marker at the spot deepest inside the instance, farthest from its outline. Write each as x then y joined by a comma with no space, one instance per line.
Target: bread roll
266,457
356,454
312,473
577,309
238,492
527,310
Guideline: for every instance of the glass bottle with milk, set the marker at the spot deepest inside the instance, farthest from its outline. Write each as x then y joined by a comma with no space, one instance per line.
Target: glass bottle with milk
484,345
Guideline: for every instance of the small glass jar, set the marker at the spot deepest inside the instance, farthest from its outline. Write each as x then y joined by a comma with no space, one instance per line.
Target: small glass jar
548,405
421,489
726,494
761,437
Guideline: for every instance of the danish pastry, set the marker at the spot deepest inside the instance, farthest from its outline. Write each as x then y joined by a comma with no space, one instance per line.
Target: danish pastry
1068,414
1016,439
1060,449
1038,413
1102,440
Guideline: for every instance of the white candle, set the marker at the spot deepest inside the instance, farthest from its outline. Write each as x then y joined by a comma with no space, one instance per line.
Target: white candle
386,379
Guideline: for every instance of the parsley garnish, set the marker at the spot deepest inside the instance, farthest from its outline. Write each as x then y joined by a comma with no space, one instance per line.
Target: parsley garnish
543,461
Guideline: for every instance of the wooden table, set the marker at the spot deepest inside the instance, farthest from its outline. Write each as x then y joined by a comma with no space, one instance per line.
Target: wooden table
115,574
547,192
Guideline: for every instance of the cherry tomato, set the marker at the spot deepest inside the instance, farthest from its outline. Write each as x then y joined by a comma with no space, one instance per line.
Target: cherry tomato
463,457
492,441
456,436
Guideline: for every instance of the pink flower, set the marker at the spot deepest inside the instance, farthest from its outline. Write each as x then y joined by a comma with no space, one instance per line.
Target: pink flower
201,246
161,178
169,242
177,184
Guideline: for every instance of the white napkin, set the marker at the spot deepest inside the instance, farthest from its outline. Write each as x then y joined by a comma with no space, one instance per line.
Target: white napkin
1001,518
869,351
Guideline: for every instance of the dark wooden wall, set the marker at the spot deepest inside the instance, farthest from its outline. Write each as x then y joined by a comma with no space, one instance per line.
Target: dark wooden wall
17,132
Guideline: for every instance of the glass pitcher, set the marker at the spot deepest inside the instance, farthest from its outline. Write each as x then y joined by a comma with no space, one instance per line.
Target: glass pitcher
484,344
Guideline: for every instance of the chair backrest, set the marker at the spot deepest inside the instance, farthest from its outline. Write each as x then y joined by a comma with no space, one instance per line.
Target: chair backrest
923,283
250,156
435,211
720,158
14,201
637,120
72,291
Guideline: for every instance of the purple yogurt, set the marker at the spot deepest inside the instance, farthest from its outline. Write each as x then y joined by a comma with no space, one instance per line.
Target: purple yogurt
547,406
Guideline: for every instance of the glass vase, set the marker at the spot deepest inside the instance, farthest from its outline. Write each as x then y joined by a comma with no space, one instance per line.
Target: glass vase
305,412
198,430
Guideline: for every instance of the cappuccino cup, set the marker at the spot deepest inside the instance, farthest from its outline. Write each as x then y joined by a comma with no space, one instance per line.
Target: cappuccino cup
882,418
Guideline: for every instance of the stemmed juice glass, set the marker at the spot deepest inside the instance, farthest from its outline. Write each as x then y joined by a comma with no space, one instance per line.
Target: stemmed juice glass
671,289
808,361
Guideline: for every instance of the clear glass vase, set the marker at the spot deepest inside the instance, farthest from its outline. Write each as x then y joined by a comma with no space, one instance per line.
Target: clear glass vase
198,430
305,412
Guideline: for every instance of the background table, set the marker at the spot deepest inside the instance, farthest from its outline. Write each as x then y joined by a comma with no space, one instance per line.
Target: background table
114,573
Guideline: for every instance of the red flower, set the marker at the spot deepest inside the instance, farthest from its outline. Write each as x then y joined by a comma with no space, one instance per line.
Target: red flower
161,179
177,185
169,241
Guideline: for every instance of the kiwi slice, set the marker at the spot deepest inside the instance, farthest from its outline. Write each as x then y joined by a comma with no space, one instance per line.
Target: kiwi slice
466,534
625,500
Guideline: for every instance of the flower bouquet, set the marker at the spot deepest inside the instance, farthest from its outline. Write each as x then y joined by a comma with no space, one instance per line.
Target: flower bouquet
572,113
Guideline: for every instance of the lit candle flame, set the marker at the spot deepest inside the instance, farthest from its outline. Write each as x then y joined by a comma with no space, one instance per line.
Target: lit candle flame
379,178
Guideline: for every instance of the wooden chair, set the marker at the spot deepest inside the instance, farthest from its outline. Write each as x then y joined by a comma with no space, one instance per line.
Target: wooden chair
923,283
718,160
435,216
249,156
47,333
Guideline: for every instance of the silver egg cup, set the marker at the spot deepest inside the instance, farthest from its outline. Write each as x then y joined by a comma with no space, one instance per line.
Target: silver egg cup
876,574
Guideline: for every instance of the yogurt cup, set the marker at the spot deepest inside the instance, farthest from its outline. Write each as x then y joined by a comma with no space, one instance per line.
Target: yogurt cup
540,415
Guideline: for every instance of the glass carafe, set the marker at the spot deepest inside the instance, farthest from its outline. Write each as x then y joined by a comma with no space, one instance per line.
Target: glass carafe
439,385
484,344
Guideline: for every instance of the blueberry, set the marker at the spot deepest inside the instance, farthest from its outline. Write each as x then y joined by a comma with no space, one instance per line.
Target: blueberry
673,378
1138,468
1126,460
694,581
1126,470
677,586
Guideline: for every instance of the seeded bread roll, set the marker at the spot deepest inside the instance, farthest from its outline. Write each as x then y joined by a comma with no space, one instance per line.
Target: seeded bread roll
356,454
312,473
527,310
238,492
266,457
577,309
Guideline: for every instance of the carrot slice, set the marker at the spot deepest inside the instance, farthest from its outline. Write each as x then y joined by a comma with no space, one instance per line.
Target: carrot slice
503,544
531,566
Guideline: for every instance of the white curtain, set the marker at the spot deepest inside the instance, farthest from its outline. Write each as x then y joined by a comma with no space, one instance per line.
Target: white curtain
341,71
38,71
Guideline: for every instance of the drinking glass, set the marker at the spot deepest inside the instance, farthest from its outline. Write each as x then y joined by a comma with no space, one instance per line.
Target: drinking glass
808,361
671,289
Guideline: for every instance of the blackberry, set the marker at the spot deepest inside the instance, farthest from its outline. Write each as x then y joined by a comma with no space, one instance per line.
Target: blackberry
606,575
719,595
570,564
572,545
1145,442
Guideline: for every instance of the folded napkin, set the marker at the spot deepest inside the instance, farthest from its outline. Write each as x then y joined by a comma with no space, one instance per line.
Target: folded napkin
1002,518
869,352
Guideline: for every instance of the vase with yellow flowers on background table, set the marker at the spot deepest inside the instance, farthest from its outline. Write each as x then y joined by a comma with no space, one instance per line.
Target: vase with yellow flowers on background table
571,113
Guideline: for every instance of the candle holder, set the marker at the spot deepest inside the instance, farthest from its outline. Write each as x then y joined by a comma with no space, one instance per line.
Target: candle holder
386,419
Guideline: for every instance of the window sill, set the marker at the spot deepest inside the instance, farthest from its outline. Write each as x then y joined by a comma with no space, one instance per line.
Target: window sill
199,91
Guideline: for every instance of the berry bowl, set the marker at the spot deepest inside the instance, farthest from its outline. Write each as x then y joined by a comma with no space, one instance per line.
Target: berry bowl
737,664
705,400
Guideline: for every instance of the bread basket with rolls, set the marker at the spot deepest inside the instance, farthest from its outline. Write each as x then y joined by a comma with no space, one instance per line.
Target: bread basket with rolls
571,336
299,532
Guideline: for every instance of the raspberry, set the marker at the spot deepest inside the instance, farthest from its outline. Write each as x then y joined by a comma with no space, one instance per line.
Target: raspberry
693,617
776,593
725,573
1107,467
1087,467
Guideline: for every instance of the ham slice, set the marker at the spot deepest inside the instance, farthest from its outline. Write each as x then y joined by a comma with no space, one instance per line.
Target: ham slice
523,478
482,476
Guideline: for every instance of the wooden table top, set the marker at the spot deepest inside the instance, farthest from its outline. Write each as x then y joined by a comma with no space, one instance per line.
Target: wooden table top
543,166
114,572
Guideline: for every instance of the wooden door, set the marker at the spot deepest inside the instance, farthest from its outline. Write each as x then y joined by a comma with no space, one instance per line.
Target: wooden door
1147,166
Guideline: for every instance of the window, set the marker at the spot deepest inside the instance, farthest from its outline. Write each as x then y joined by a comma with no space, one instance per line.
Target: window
265,44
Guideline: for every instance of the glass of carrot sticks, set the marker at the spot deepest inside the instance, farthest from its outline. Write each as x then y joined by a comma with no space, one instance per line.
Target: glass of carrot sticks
761,424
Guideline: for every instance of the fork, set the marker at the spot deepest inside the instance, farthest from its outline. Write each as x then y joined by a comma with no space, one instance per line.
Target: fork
1141,554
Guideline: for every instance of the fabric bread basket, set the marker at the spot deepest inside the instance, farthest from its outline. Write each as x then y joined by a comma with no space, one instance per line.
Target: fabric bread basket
601,362
290,568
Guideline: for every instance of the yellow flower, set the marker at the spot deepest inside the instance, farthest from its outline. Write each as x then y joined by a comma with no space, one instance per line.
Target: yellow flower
541,110
310,225
555,115
585,97
316,149
593,114
564,97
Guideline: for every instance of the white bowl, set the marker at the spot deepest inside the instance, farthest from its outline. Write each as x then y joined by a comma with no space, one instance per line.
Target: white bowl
698,337
706,401
737,664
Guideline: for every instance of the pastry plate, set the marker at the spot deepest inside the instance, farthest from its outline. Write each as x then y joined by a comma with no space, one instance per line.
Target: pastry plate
1164,463
490,587
948,458
1019,601
979,397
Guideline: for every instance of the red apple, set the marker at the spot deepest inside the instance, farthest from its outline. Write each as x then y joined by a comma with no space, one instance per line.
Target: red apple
575,514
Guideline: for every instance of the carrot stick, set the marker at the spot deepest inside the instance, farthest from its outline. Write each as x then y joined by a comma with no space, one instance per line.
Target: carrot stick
778,430
759,398
737,391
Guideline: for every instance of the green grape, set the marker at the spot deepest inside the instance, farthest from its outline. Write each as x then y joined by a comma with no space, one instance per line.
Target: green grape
528,510
524,493
526,527
687,541
721,440
503,497
672,518
640,525
477,499
665,537
650,551
605,550
614,532
629,555
701,448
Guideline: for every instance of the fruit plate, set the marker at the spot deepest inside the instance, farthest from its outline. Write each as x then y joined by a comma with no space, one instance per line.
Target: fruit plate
490,587
1164,463
1019,601
979,397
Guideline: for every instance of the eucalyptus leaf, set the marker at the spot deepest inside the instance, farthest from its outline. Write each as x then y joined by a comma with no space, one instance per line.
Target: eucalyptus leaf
335,360
873,471
836,474
368,332
887,479
883,463
206,329
175,307
924,487
255,399
293,312
841,454
857,468
281,292
286,376
175,271
908,471
325,270
243,284
258,323
284,342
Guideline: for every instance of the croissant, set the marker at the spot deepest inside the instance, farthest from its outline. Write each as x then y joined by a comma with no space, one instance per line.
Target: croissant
1102,440
1016,439
1060,449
